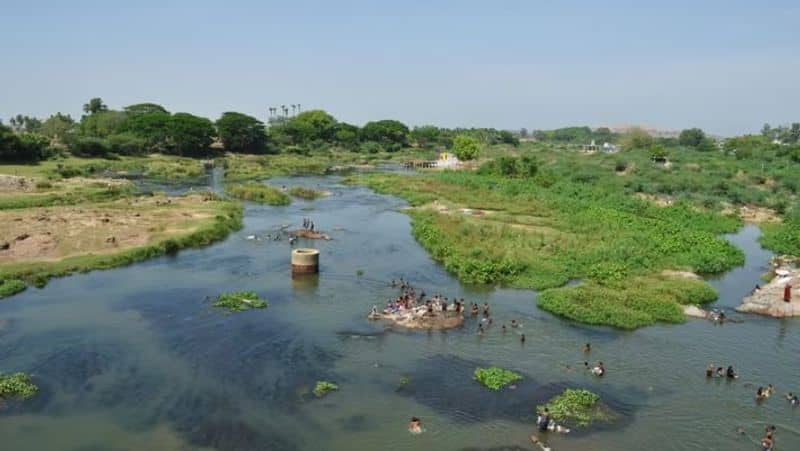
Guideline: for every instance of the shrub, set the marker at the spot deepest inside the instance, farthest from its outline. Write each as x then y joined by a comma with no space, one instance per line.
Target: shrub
305,193
259,192
18,385
239,301
579,407
322,388
11,287
496,378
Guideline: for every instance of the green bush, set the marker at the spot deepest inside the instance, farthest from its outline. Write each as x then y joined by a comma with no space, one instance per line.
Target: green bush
11,287
18,385
258,192
575,407
322,388
239,301
305,193
496,378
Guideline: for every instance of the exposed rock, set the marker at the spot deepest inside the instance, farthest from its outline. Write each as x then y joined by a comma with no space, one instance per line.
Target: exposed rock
695,311
769,299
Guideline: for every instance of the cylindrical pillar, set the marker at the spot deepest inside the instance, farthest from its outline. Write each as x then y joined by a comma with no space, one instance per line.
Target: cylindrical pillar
305,261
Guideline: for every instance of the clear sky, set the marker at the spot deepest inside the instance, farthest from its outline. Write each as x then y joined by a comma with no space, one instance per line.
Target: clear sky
726,66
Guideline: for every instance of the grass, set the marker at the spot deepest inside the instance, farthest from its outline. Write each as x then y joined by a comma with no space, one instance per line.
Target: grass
539,233
170,234
66,194
166,167
17,385
258,192
322,388
305,193
11,287
576,407
239,301
240,168
496,378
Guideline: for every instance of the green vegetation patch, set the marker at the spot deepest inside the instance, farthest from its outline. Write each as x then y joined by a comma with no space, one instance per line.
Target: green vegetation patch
11,287
533,232
239,301
322,388
258,192
496,378
17,385
305,193
576,407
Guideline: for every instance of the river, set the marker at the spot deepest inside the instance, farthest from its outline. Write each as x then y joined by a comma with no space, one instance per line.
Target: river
136,358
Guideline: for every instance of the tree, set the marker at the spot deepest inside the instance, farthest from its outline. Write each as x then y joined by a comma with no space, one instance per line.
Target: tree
506,137
346,135
153,128
189,134
241,133
27,124
637,138
311,125
391,134
425,136
466,147
27,147
141,108
103,123
691,137
57,126
95,105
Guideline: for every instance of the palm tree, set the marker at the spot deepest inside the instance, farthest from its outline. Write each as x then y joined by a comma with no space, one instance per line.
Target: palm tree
294,109
298,108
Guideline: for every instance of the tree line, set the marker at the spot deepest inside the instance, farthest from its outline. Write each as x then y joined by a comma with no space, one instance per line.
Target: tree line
146,128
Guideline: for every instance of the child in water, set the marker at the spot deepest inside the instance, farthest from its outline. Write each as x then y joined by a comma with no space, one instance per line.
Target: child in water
415,426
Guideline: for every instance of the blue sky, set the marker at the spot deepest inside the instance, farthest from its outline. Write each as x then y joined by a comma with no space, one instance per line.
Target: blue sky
725,66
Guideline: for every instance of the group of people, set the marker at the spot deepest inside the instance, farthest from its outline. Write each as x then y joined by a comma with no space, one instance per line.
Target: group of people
308,224
729,373
544,422
413,303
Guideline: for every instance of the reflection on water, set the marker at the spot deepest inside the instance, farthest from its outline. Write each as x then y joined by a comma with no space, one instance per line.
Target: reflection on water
136,357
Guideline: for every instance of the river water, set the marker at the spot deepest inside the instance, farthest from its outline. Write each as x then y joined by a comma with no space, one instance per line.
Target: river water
136,358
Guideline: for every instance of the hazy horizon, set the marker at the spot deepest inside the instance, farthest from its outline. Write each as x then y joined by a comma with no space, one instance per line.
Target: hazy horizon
727,67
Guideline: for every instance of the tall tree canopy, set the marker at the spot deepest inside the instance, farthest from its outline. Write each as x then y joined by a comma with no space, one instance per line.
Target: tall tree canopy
94,105
311,125
189,134
390,133
241,133
140,108
57,126
691,137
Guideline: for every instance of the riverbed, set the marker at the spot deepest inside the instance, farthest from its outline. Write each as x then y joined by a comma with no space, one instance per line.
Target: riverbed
137,358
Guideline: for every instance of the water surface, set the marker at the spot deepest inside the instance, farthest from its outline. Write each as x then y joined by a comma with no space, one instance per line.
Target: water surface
136,358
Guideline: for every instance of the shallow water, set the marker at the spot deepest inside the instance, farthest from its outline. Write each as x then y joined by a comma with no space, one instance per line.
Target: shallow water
135,358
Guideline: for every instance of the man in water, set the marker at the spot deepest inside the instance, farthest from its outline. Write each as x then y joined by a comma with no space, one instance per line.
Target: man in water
543,421
522,338
730,373
599,370
587,348
710,370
